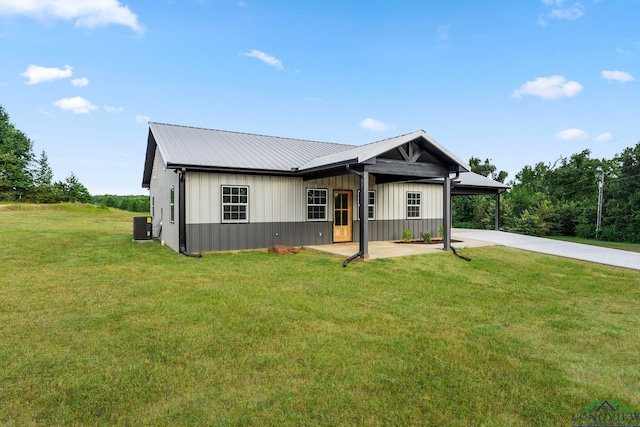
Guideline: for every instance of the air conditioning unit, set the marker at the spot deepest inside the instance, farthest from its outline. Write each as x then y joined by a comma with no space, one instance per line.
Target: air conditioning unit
142,229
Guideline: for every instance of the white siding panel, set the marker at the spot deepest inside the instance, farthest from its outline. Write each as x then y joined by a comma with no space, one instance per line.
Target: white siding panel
283,199
271,198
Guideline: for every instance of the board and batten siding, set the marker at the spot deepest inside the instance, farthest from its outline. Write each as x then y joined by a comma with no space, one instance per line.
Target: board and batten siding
278,211
161,181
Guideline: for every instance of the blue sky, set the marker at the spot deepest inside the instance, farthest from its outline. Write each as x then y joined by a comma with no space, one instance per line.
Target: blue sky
515,81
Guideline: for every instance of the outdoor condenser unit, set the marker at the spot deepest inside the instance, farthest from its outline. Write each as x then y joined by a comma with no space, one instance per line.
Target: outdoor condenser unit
142,229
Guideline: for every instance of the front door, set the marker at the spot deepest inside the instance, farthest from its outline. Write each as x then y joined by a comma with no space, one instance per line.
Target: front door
342,216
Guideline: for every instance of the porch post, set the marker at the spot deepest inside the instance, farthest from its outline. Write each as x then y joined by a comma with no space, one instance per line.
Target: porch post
364,215
446,214
497,211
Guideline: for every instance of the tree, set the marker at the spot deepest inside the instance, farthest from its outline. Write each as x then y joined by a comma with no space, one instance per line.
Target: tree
42,191
477,211
76,192
15,158
486,169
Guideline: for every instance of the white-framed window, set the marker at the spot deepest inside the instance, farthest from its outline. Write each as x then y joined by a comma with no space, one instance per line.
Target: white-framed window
172,204
414,203
317,204
235,203
371,205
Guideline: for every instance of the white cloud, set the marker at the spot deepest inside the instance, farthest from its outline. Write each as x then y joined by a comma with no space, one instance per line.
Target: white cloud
3,84
242,4
268,59
572,134
78,105
622,51
110,109
37,74
142,119
374,125
604,137
551,87
570,14
620,76
83,81
85,13
444,32
561,11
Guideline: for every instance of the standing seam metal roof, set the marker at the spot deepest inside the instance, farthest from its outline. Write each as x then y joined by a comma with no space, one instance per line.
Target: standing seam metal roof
210,148
182,145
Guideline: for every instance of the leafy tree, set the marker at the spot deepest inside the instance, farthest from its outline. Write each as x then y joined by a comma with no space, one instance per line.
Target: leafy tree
15,157
477,211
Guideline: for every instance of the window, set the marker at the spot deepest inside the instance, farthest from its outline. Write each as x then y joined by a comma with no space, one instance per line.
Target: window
172,205
413,205
316,204
235,203
371,204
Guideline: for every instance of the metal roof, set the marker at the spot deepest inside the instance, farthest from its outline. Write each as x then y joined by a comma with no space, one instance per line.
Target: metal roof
472,179
190,146
362,153
469,183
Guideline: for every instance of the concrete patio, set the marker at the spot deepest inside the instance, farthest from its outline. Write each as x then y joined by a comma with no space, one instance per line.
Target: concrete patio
390,249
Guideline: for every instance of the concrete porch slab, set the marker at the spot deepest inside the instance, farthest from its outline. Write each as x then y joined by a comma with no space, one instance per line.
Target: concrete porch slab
390,249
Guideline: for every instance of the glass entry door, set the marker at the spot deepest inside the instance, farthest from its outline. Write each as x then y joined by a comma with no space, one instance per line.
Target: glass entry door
342,216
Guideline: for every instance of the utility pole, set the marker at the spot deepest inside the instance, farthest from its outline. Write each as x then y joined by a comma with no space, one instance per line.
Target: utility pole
599,220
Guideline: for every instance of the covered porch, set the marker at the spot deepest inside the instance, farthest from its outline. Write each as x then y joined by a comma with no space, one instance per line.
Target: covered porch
406,158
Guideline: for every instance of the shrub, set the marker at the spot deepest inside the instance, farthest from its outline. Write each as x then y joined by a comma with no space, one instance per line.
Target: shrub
426,237
441,231
407,235
586,231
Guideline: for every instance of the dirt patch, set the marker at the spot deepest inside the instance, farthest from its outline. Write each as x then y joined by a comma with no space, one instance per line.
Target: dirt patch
284,250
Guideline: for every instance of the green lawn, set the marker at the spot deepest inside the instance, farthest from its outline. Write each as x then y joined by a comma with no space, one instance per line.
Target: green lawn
98,330
632,247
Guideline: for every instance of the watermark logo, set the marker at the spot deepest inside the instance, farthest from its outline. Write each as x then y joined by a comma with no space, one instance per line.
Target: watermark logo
606,414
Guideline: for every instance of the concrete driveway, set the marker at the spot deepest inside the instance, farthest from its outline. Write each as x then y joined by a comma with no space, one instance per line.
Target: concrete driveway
597,254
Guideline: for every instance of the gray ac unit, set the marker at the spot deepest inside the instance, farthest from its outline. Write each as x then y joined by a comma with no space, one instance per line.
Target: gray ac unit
142,229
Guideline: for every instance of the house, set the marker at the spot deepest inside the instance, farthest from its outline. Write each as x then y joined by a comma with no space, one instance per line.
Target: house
213,190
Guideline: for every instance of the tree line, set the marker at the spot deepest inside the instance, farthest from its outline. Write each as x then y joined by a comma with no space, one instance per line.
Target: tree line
126,203
561,198
27,178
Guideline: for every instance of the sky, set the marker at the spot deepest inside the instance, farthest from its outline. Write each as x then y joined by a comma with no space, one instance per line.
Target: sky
517,82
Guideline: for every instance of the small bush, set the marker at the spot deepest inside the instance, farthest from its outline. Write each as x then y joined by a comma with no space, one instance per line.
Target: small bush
441,231
407,235
586,231
425,237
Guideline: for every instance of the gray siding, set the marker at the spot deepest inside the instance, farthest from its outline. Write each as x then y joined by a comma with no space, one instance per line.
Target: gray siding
228,237
161,181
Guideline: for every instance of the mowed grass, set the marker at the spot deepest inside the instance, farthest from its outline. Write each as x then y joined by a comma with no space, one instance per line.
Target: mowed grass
632,247
98,330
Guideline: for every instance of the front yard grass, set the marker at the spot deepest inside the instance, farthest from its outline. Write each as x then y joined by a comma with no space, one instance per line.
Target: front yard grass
632,247
98,330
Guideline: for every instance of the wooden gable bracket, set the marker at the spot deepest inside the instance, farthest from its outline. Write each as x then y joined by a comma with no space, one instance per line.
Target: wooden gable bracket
412,153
